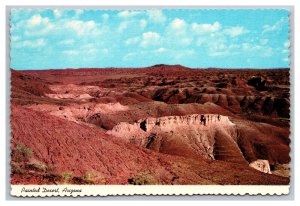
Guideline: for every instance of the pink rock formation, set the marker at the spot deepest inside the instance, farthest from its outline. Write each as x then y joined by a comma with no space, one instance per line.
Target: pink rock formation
191,135
261,165
79,113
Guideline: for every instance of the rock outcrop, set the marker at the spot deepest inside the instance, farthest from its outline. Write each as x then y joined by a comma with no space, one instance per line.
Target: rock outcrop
261,165
86,113
66,147
196,136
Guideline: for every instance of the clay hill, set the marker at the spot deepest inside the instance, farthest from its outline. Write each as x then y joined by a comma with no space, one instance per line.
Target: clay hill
165,124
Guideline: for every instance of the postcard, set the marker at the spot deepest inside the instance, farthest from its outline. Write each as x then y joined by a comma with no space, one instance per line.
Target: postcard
149,101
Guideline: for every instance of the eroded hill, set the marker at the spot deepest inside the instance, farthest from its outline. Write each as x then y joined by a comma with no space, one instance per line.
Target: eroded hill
166,124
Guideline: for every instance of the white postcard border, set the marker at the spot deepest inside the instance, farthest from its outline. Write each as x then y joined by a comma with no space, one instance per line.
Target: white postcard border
113,190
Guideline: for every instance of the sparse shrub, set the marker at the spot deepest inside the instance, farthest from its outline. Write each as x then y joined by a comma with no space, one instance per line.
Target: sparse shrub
89,178
49,168
66,176
40,166
21,153
142,178
16,169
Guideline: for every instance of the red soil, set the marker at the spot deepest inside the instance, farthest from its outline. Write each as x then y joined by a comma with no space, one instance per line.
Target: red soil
68,147
65,117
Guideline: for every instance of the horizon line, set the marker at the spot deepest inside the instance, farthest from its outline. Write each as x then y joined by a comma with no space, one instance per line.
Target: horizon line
77,68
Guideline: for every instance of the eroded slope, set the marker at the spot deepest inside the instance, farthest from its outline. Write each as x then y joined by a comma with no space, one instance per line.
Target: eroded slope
66,147
178,125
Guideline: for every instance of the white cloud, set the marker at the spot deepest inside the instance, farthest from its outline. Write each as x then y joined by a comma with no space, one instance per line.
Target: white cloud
123,26
219,53
35,25
150,38
216,41
15,38
206,28
286,59
133,40
234,46
105,17
83,27
177,33
132,24
31,43
219,45
285,51
71,52
39,26
143,23
260,50
184,53
127,13
287,44
246,46
174,54
201,41
90,49
160,50
236,31
128,56
40,31
266,52
218,49
224,50
264,41
87,51
178,24
36,20
276,27
105,51
156,16
67,42
78,13
57,13
186,41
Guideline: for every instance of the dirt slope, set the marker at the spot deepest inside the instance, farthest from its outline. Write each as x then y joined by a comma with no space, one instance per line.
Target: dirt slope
65,146
92,126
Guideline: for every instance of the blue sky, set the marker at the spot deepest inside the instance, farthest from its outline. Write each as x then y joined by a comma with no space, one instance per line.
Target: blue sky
61,38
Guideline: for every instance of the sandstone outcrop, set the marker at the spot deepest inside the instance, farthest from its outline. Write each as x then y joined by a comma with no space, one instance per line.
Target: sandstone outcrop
207,136
261,165
84,113
59,146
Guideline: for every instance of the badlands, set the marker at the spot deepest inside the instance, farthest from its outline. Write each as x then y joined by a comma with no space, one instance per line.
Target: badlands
164,124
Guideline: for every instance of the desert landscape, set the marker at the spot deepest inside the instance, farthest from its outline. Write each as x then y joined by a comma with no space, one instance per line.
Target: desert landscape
162,124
